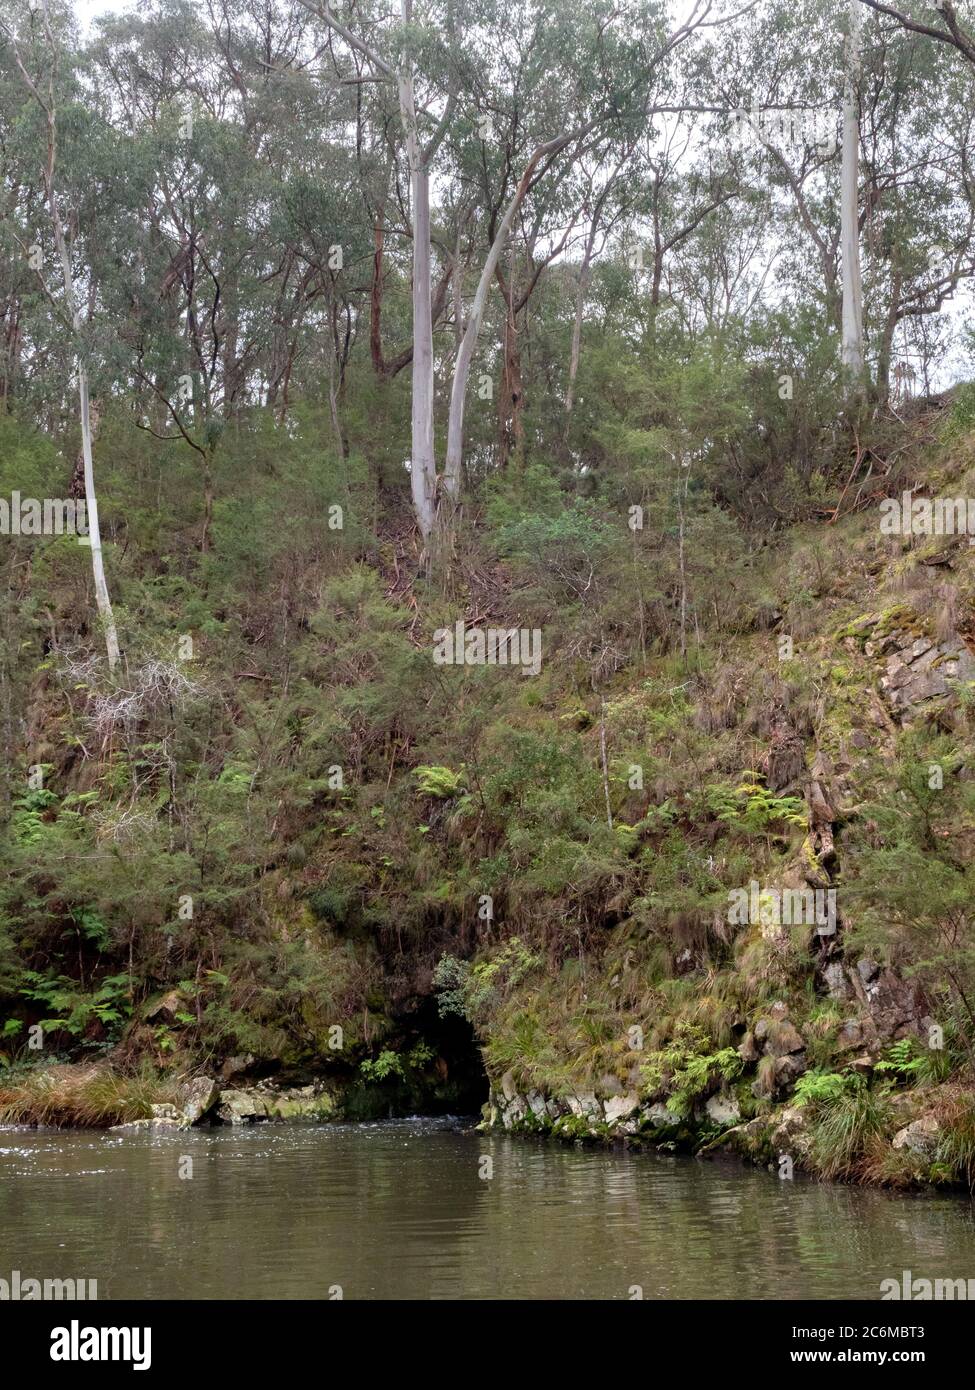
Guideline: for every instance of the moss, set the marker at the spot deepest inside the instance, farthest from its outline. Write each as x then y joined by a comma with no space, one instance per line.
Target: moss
579,1127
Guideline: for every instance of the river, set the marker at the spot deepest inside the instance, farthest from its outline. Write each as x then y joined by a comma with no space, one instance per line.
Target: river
427,1209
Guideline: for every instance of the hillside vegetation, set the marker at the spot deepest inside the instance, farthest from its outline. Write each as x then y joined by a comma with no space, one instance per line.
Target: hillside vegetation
358,357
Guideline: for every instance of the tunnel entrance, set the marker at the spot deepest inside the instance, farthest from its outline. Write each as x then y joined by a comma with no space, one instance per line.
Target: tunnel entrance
438,1071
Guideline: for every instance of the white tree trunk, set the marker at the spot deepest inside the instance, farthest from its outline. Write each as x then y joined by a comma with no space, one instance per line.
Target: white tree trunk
74,315
462,366
423,463
577,323
102,599
852,346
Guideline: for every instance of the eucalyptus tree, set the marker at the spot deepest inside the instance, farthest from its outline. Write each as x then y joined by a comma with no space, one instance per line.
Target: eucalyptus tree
852,338
944,26
918,215
593,72
865,148
392,56
39,48
215,296
617,77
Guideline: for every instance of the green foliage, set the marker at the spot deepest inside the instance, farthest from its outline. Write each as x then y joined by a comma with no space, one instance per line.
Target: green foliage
473,989
439,782
72,1010
818,1087
688,1068
754,810
842,1126
380,1068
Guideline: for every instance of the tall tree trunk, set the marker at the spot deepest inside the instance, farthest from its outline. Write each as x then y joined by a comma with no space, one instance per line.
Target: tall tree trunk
102,600
511,424
576,348
94,538
462,365
683,478
886,351
333,402
852,346
376,301
456,281
423,465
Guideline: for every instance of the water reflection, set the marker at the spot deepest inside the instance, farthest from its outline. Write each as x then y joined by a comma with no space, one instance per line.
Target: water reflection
400,1210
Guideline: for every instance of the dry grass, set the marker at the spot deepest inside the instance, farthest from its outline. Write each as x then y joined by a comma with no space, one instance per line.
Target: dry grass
84,1096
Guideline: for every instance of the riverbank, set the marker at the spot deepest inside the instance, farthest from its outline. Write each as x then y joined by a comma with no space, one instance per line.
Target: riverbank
907,1140
98,1097
911,1138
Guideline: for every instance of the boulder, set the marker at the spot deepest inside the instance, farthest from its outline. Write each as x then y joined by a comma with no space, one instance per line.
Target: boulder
789,1134
236,1066
868,970
241,1107
659,1117
304,1103
198,1098
783,1038
155,1124
165,1008
789,1069
723,1110
537,1104
621,1107
896,1005
834,977
584,1103
920,1137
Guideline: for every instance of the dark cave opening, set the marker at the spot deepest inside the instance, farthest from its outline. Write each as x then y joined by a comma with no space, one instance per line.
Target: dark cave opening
441,1070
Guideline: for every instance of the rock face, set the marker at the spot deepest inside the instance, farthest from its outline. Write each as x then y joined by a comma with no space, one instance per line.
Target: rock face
621,1107
202,1099
918,670
919,1137
583,1112
199,1098
892,1008
240,1107
723,1110
235,1067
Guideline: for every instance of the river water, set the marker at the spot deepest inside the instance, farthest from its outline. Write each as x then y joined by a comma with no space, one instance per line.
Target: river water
427,1209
